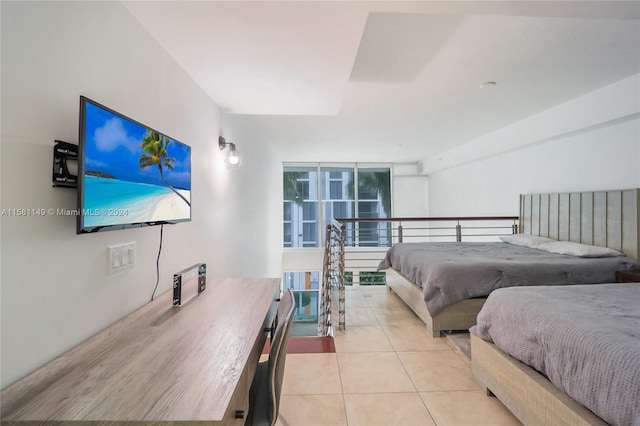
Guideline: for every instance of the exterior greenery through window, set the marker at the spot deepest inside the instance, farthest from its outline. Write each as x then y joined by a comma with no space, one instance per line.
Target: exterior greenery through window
367,278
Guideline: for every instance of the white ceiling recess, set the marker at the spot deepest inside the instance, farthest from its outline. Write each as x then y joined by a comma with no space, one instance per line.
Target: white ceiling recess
393,81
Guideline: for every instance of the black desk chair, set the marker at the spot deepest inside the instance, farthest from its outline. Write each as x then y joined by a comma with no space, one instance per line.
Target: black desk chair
264,396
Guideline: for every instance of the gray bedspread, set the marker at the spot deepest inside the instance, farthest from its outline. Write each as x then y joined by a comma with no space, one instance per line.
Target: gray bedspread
451,272
585,339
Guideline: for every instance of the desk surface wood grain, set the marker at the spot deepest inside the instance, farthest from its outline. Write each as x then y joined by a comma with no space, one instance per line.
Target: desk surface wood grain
159,364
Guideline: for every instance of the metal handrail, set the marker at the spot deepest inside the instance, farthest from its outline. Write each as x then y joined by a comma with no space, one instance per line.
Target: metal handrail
400,229
332,297
332,291
362,252
423,219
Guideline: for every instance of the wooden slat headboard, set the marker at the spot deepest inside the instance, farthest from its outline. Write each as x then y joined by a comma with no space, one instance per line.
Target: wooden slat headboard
602,218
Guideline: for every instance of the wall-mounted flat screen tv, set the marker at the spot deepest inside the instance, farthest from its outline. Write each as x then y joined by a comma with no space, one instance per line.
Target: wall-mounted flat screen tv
129,175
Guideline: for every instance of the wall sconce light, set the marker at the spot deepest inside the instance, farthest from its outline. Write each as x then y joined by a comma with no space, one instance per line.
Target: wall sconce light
233,158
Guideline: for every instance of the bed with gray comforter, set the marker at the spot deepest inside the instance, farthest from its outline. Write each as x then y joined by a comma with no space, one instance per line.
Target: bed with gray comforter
455,271
584,339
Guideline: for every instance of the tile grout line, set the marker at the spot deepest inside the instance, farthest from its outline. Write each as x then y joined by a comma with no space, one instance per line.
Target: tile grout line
344,402
404,368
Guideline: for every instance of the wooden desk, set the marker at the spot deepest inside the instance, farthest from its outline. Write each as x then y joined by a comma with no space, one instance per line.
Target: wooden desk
160,364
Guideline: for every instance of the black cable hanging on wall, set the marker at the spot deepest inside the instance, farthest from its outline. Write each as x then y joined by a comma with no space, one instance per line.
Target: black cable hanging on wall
158,264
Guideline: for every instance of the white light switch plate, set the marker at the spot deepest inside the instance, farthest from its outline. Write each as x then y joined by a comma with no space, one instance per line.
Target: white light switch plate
121,257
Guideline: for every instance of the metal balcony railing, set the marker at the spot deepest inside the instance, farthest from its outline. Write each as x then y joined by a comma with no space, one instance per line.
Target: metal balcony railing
355,246
332,289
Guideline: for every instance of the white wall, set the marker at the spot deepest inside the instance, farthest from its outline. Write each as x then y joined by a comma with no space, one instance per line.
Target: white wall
252,224
54,287
590,143
410,191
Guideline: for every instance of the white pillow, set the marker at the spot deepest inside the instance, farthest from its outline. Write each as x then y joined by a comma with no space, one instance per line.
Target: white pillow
532,241
577,249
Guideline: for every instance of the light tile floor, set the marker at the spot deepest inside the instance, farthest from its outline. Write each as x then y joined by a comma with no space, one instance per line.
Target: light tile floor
386,371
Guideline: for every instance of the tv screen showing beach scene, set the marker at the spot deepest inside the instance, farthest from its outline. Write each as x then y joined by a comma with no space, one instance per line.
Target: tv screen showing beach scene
130,174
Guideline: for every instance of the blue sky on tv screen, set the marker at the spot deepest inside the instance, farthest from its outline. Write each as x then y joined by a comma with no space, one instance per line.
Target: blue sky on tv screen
112,146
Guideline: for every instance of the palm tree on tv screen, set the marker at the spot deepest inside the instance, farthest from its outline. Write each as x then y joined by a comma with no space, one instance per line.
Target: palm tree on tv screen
155,147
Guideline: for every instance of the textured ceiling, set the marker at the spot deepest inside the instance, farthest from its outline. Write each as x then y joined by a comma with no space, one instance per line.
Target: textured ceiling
393,81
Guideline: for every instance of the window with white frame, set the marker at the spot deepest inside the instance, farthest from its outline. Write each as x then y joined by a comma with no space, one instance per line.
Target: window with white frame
316,194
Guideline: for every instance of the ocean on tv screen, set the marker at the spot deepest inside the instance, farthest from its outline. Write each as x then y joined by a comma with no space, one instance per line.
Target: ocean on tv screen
116,202
133,174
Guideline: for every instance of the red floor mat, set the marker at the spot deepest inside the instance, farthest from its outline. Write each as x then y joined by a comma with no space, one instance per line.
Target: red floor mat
307,345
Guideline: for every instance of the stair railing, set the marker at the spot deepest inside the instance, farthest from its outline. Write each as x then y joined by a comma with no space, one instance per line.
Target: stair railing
353,246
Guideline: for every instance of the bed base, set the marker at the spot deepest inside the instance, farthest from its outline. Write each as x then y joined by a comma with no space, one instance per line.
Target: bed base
459,316
533,399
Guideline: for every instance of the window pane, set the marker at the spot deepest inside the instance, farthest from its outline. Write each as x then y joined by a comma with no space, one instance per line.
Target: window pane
287,235
309,234
300,190
337,183
337,188
374,201
332,189
302,280
309,211
286,208
305,286
290,179
369,209
341,208
375,184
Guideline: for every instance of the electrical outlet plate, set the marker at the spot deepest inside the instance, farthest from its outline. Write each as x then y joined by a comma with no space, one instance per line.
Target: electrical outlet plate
121,257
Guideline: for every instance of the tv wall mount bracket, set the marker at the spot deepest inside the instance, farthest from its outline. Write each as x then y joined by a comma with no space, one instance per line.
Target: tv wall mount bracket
65,154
